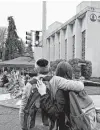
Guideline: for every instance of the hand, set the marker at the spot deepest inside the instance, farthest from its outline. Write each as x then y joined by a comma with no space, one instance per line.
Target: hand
41,87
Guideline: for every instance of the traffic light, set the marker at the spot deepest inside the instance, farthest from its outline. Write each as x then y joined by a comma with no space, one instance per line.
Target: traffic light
37,38
28,37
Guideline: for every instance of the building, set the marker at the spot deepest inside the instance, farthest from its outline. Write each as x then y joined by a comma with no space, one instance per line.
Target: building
79,37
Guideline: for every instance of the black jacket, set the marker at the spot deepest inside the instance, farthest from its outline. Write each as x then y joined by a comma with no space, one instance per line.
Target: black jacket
56,109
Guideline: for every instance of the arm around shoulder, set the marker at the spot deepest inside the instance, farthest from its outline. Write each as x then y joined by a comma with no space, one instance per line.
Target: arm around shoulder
65,84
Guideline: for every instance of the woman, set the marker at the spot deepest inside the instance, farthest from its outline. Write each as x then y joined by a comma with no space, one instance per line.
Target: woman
58,109
64,70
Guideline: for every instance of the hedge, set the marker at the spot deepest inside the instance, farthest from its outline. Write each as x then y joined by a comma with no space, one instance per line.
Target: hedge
87,69
53,64
87,72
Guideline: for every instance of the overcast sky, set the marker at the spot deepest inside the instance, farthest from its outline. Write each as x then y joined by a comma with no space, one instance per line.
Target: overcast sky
28,13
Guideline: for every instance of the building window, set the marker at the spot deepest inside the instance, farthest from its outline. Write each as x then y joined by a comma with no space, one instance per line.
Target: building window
65,49
83,44
59,44
53,38
49,48
59,50
73,46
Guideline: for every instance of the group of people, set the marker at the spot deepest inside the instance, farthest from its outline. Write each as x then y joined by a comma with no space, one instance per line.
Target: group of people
51,95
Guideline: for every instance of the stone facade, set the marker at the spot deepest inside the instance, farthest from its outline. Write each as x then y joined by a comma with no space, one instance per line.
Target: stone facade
84,27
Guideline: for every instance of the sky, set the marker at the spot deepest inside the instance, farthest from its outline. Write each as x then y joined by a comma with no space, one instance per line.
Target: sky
28,13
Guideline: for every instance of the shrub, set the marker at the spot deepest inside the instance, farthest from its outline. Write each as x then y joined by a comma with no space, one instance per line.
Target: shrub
76,69
87,68
53,64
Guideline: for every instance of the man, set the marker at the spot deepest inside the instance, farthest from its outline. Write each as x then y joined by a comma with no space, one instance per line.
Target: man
57,82
42,71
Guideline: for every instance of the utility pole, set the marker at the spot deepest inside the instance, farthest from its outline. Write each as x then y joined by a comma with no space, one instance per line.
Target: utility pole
40,50
43,29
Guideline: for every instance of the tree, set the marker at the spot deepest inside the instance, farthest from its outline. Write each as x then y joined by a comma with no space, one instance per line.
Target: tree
29,50
3,36
13,45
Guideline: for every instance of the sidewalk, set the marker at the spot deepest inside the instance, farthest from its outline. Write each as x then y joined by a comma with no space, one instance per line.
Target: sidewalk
9,109
6,100
96,100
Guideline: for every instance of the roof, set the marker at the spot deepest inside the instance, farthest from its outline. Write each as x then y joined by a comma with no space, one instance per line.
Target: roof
70,21
24,61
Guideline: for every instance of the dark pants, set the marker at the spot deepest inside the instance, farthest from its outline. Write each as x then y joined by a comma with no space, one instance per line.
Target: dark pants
44,118
61,121
33,118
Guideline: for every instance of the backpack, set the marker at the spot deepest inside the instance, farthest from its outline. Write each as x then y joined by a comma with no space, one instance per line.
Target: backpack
82,111
30,108
34,95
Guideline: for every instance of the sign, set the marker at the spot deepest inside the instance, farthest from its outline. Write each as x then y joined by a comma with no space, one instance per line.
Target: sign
93,17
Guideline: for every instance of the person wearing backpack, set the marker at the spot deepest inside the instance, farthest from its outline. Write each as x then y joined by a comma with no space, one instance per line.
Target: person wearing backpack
29,91
61,83
79,120
56,109
55,81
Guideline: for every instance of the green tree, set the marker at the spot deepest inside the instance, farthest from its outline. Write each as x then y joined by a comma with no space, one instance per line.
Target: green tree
30,51
3,36
13,45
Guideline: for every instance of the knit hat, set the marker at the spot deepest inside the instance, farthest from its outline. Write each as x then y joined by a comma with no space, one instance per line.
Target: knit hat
42,66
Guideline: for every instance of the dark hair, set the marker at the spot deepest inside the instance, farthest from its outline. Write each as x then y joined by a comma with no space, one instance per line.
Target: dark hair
64,70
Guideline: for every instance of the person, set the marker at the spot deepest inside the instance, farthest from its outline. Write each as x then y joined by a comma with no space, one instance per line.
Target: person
25,95
53,109
4,79
27,77
57,110
60,83
57,82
